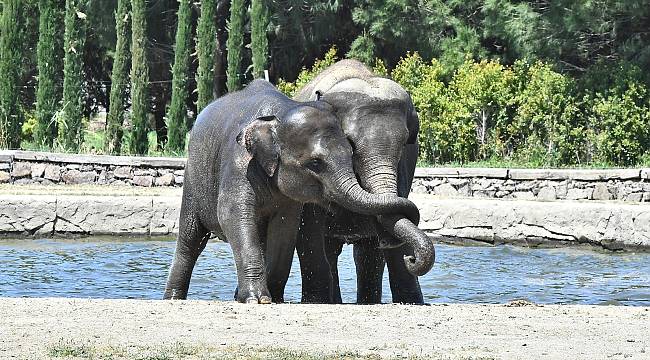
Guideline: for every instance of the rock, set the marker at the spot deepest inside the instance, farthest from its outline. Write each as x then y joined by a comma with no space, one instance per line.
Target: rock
579,194
458,182
103,214
21,169
53,172
123,172
77,177
144,172
38,170
24,181
445,190
547,194
166,211
601,192
179,180
4,177
146,181
165,180
634,197
179,172
646,197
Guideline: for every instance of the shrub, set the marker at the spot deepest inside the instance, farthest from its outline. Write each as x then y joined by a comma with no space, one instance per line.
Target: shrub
305,76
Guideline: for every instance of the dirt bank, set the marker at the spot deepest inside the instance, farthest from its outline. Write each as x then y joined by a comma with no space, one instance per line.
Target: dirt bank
38,328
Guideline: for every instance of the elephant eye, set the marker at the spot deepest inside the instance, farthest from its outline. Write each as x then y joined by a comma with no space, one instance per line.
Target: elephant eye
316,165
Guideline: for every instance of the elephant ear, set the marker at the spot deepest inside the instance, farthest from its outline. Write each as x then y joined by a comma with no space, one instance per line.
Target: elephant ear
259,139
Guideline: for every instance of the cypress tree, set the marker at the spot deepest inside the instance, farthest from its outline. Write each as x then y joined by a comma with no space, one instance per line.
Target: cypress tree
10,74
235,43
139,78
119,78
50,64
259,41
69,127
177,115
205,47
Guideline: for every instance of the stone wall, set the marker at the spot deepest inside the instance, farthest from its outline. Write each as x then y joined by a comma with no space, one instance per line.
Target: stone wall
27,167
614,225
631,185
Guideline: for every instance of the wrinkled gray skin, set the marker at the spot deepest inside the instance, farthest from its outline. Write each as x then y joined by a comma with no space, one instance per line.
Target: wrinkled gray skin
255,157
380,122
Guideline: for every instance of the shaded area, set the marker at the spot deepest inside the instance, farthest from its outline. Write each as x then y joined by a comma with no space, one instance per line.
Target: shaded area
126,268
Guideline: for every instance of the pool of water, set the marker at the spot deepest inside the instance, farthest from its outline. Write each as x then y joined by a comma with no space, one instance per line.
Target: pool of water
137,269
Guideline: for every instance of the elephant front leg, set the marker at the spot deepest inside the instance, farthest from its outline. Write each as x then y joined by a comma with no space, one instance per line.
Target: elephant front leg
240,229
280,247
314,267
404,286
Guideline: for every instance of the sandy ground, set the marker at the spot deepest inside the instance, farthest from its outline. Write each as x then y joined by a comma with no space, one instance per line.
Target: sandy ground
41,328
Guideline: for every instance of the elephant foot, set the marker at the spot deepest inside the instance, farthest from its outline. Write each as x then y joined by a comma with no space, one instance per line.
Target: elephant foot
255,294
174,294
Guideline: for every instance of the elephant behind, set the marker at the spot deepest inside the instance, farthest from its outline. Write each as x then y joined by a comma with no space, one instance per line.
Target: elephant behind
255,157
380,121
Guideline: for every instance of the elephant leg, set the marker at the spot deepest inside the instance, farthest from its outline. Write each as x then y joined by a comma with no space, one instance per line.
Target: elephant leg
192,238
280,246
370,270
333,248
314,268
404,286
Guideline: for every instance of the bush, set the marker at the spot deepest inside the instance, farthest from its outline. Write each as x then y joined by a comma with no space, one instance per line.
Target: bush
291,88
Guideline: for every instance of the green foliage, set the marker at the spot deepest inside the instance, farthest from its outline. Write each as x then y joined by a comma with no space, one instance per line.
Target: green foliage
206,45
259,40
119,79
50,65
363,49
11,116
235,44
291,88
177,119
139,78
69,128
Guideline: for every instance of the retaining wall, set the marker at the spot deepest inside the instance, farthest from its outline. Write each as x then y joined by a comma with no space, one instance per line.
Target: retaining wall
630,185
613,225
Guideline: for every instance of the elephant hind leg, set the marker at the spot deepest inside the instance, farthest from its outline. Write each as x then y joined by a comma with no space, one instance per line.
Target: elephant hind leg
192,238
370,270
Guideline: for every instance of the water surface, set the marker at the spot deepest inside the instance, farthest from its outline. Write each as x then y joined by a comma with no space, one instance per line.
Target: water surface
137,269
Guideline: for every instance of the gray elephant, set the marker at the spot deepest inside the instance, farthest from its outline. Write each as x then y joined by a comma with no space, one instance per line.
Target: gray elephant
255,157
380,122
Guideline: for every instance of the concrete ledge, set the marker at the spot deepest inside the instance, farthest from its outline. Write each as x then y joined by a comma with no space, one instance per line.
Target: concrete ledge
574,174
137,161
492,173
615,226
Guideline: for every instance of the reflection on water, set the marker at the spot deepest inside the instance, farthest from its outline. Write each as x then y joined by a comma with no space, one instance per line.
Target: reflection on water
118,268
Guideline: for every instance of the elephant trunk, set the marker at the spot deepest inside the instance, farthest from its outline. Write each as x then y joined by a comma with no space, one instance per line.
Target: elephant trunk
380,177
349,194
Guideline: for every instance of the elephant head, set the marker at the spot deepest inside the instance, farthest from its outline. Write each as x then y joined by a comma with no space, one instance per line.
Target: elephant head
378,117
308,158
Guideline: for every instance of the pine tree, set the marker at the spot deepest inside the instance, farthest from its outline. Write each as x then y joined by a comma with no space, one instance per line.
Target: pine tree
119,78
69,127
139,78
50,64
205,47
10,74
177,115
259,41
235,43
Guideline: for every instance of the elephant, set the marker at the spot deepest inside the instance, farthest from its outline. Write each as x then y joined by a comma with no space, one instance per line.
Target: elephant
380,121
254,158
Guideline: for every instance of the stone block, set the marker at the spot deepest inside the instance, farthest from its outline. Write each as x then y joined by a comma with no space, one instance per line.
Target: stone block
165,180
21,169
103,214
146,181
27,214
579,194
38,170
601,192
166,212
179,172
179,180
53,172
445,190
4,177
634,197
123,172
523,195
144,172
547,194
73,177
